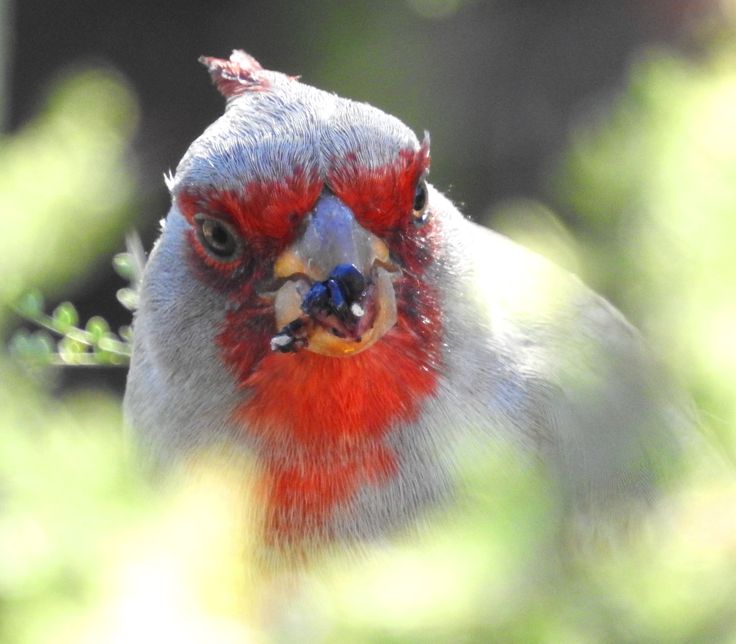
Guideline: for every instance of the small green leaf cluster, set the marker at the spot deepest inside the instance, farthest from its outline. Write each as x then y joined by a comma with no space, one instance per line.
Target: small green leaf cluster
61,341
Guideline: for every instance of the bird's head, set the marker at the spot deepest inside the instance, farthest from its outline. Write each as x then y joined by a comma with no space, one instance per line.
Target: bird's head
306,234
307,205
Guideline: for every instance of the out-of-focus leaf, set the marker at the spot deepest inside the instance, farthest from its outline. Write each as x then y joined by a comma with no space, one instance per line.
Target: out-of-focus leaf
128,297
35,348
97,327
65,317
652,182
30,304
71,351
124,266
68,177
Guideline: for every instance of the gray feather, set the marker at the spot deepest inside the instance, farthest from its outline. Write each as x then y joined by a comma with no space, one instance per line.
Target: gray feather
531,356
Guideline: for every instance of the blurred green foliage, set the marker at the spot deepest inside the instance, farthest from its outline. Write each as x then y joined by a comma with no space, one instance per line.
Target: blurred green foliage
91,552
652,182
66,184
93,345
65,190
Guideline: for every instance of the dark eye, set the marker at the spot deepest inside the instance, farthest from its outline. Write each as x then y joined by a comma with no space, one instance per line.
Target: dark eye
217,238
420,213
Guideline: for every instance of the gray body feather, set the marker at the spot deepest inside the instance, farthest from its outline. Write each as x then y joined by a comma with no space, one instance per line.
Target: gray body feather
530,355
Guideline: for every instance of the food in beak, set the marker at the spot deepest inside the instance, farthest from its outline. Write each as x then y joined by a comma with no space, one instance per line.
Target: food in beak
342,315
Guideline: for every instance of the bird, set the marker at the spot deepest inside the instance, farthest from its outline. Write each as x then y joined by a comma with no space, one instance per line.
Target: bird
313,301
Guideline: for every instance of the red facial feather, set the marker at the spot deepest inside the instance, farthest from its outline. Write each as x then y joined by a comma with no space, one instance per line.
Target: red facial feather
380,198
266,214
334,414
320,423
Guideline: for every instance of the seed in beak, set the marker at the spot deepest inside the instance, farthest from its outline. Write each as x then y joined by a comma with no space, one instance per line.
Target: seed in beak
291,338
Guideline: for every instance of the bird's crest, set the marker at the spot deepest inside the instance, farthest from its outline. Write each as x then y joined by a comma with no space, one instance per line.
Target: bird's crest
241,73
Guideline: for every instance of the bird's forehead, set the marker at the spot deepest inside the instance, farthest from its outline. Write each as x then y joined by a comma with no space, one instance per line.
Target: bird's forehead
264,136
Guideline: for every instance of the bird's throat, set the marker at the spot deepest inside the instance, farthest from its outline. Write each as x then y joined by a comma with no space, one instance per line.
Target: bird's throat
321,426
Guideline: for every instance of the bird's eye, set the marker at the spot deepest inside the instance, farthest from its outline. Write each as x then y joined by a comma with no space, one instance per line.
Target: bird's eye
420,212
217,238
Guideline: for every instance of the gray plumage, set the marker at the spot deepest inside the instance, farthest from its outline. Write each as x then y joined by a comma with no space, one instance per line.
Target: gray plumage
529,355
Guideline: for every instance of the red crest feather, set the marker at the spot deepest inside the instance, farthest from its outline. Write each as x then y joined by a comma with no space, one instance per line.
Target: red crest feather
241,73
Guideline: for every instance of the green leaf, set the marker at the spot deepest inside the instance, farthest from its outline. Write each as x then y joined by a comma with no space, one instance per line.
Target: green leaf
124,266
18,345
103,357
128,297
97,327
65,317
40,348
30,304
108,342
70,350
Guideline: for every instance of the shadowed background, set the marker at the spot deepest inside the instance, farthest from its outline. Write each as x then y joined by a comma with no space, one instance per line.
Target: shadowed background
598,133
498,85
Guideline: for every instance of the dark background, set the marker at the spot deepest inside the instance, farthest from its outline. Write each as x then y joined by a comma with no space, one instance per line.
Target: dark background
497,84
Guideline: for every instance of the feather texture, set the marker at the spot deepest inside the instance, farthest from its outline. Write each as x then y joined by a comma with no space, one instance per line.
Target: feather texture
492,341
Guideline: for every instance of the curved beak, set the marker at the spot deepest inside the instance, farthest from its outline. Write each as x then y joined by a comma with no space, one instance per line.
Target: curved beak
338,297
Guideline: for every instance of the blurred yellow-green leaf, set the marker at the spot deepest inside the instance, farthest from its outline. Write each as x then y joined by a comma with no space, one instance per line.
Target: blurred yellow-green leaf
94,547
654,183
67,183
